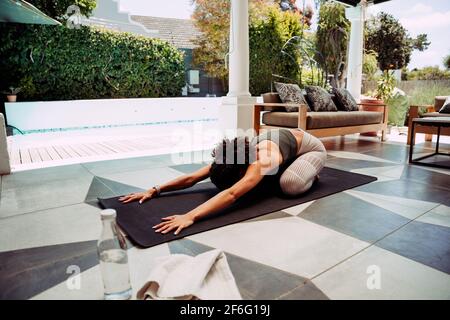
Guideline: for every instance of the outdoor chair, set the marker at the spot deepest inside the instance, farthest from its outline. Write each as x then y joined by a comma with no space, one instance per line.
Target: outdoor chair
431,111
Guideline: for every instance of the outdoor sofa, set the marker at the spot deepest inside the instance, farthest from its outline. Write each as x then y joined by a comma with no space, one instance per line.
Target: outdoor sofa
319,124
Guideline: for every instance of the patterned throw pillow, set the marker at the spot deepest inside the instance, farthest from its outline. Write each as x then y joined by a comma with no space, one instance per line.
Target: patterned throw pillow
344,100
446,106
290,93
320,99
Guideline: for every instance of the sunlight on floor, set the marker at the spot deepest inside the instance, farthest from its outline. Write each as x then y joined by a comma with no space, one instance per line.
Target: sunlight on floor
42,150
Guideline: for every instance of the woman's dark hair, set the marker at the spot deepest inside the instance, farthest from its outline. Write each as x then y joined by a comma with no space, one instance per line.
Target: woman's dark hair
231,159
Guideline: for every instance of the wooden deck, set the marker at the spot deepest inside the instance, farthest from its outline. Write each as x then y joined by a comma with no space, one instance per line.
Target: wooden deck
41,150
23,156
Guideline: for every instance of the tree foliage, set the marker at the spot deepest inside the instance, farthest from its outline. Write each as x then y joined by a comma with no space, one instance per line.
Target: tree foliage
390,40
420,43
212,18
305,13
268,55
447,61
427,73
269,29
58,63
331,40
370,64
57,9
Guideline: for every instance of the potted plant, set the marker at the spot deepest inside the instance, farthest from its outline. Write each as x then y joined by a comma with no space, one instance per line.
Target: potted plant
11,94
383,92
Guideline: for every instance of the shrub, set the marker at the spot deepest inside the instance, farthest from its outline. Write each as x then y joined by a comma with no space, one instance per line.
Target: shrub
370,64
57,63
428,73
331,40
269,29
313,77
267,35
398,109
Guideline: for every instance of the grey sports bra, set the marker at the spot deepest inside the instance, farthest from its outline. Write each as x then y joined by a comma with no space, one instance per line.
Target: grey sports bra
283,138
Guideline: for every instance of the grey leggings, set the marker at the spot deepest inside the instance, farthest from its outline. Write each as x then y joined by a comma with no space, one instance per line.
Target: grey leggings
301,173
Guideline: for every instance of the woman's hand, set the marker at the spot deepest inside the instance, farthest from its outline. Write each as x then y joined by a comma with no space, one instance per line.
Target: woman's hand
141,196
178,222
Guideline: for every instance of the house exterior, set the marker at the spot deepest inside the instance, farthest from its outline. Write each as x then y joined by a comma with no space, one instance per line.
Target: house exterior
107,15
181,33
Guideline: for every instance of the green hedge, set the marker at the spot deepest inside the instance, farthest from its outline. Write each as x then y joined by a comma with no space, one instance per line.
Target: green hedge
58,63
267,35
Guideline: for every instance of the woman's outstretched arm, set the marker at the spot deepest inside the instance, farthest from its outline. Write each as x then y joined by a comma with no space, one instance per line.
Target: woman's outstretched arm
220,201
179,183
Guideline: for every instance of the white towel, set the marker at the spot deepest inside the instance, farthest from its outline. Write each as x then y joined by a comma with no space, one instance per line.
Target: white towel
178,276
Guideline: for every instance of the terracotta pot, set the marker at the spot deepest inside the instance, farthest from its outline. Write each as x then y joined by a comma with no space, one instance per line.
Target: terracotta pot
371,101
371,104
11,97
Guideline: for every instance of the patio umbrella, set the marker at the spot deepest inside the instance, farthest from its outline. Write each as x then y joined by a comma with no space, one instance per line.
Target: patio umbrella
19,11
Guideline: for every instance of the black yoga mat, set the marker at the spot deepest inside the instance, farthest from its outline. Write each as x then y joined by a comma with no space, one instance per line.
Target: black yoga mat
136,220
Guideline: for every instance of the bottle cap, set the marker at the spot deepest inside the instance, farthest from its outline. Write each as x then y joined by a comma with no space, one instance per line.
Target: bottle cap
108,214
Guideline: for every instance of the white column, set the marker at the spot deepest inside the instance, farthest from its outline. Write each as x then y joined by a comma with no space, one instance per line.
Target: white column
5,167
239,50
237,106
356,15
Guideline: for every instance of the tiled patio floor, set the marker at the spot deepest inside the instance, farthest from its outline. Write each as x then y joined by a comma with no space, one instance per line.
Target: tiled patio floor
398,226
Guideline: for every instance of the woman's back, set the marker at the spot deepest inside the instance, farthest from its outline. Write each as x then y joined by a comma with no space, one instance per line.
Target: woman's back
283,138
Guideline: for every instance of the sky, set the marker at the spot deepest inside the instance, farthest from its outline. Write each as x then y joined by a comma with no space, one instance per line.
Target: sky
417,16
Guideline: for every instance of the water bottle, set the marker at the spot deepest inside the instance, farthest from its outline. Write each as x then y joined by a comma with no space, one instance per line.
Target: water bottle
112,252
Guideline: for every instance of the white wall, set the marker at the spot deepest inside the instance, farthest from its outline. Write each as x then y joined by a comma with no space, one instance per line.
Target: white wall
103,112
5,167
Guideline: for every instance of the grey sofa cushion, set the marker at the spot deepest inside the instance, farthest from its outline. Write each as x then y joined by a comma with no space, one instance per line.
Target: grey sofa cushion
290,93
320,99
432,114
321,120
344,101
